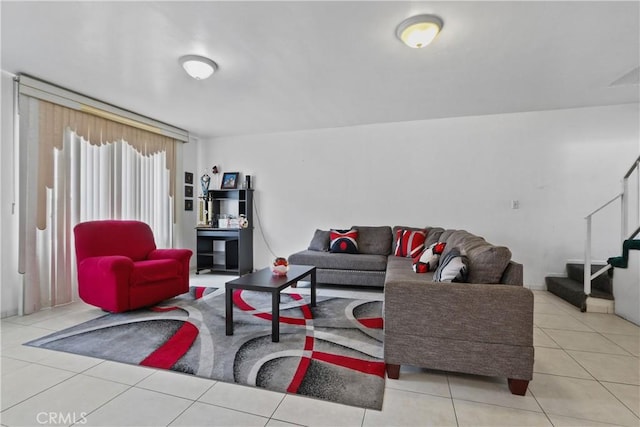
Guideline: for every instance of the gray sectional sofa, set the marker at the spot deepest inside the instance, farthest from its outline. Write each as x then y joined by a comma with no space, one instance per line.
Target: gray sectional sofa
483,327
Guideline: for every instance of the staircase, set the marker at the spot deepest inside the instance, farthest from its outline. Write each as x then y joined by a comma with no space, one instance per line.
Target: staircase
589,286
571,288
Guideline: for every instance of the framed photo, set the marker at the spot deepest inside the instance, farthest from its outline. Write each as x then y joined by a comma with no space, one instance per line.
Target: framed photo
188,178
230,180
188,191
188,205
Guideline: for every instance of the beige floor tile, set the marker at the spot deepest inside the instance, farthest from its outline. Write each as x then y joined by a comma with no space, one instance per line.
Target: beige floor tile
559,321
137,407
404,408
421,380
631,343
68,320
9,365
609,367
560,421
27,353
68,361
480,414
312,412
579,398
584,341
242,398
278,423
557,362
202,414
609,323
50,313
120,372
627,394
69,401
176,384
14,335
28,381
541,339
490,390
545,307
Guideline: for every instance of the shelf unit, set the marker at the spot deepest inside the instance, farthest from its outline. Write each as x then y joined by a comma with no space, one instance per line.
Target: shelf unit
226,250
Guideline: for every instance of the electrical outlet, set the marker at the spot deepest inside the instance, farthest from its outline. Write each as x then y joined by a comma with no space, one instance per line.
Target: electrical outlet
515,204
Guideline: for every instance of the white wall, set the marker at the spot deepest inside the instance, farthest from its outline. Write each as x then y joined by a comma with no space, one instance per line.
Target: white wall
454,173
186,220
10,280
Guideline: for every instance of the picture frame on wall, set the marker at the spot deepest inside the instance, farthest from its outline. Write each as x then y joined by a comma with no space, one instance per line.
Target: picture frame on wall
188,178
230,180
188,191
188,205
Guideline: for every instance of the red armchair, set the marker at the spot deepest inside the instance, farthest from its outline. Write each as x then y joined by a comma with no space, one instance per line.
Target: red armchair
120,269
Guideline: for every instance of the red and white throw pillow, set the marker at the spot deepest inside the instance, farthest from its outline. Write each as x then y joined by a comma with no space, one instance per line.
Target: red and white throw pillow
344,241
409,243
428,259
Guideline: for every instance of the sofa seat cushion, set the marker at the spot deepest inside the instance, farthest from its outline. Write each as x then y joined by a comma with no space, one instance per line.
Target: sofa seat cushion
341,261
399,269
154,270
486,261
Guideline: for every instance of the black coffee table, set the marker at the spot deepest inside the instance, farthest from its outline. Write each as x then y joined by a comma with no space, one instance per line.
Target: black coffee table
265,281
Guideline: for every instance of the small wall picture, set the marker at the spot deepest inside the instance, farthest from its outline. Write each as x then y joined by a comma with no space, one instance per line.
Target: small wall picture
188,178
188,205
230,180
188,191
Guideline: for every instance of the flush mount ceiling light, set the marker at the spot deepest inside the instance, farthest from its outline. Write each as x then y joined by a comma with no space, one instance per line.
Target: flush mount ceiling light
420,30
198,67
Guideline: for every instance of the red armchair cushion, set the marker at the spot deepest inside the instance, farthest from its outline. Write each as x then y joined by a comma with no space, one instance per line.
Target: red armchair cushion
154,271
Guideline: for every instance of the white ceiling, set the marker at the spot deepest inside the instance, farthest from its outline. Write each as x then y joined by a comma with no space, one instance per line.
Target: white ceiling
307,65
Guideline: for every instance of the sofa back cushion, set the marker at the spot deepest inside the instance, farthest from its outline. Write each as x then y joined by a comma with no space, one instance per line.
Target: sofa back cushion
374,240
133,239
487,262
320,241
433,235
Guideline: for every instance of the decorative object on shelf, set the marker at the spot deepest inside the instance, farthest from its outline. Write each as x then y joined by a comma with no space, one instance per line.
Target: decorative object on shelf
188,205
188,178
215,172
280,266
247,182
202,212
205,180
243,222
188,191
230,180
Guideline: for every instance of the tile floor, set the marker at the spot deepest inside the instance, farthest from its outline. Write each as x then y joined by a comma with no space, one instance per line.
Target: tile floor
586,374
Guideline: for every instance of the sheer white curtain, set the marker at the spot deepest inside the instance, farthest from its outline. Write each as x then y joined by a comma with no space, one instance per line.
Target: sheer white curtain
83,172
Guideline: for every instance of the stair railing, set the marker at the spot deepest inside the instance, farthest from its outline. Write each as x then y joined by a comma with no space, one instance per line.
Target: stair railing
624,222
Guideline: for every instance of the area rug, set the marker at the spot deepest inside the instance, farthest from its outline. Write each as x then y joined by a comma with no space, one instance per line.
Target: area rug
332,351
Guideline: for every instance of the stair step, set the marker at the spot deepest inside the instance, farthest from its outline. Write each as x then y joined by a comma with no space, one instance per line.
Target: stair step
572,291
602,283
567,289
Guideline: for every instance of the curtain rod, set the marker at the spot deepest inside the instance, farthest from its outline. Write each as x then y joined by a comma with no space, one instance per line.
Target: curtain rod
40,89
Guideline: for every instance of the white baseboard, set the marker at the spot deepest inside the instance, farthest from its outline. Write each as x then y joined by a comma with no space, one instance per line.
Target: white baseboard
600,305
